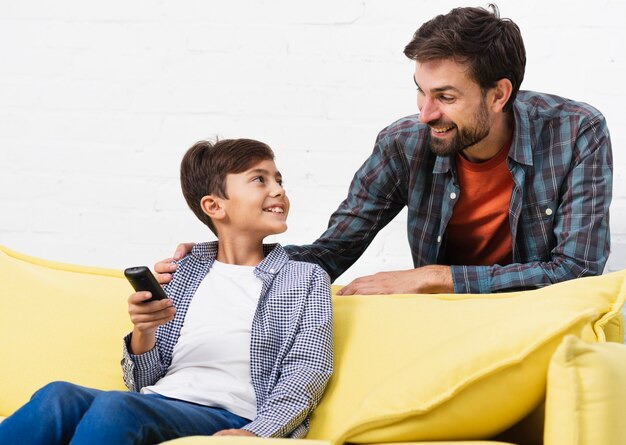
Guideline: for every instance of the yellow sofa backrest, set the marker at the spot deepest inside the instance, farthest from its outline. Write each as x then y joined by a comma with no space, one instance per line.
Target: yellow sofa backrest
58,322
407,367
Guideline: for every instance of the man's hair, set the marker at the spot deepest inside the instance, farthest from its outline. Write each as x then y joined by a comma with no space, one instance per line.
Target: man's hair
204,168
491,47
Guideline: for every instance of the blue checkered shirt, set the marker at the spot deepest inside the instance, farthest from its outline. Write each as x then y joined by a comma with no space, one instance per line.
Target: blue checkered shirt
561,164
291,350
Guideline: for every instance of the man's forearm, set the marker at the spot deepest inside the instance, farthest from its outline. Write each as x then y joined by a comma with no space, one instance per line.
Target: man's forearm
433,279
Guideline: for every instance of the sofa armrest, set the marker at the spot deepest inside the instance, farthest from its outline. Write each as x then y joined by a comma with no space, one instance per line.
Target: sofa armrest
586,394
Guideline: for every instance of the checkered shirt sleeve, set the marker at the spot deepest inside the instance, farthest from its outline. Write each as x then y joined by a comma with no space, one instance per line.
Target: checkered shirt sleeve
305,357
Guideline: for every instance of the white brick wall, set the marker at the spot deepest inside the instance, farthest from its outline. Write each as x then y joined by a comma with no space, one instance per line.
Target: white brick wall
99,100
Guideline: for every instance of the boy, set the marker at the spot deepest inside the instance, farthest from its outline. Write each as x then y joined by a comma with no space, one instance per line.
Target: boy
243,344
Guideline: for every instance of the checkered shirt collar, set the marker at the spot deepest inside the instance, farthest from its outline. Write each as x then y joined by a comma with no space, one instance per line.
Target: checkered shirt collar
275,257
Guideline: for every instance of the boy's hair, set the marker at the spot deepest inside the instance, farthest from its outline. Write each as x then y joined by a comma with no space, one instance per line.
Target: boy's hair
491,47
204,168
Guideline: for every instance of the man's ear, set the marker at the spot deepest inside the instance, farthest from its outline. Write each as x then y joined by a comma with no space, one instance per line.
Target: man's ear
501,94
213,206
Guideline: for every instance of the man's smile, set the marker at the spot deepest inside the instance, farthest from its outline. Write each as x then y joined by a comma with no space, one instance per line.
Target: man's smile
440,131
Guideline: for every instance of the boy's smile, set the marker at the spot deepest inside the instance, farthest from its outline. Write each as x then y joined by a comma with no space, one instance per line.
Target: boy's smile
275,209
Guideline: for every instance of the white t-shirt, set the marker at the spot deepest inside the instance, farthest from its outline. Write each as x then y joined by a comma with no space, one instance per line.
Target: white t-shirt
211,361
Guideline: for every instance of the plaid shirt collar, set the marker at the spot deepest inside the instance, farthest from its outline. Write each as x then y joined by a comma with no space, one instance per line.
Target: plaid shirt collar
521,148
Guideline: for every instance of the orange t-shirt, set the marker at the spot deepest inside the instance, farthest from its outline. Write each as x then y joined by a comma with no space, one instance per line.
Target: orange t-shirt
478,233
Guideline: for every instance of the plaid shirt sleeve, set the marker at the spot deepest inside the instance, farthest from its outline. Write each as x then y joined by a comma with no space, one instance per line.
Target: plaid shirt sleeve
304,371
577,229
377,193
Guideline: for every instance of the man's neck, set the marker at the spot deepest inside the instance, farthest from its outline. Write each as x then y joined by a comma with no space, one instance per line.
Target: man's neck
500,133
239,250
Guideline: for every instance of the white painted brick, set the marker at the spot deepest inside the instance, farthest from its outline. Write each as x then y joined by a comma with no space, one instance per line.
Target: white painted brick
76,10
99,101
42,34
84,95
30,63
13,216
617,260
351,42
17,93
244,41
282,11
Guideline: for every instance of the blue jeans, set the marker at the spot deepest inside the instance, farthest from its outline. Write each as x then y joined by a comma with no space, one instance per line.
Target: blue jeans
62,413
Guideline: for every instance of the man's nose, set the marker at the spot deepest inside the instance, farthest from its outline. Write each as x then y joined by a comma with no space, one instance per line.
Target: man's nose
428,110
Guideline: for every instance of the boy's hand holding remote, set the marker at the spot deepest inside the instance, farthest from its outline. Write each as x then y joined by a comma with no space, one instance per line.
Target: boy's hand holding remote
146,317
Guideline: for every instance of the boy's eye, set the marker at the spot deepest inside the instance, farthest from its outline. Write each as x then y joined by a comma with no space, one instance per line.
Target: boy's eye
258,179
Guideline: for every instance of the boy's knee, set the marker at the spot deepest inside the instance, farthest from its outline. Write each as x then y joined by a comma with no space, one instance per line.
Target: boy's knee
112,412
57,391
114,402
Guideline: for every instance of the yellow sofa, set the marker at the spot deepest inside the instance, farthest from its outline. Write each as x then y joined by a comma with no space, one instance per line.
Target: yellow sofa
513,368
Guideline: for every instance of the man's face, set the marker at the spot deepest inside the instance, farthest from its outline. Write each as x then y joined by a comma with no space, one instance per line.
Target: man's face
452,105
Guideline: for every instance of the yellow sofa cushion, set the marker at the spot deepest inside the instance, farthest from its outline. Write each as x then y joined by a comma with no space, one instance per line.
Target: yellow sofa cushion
586,399
447,367
58,322
235,440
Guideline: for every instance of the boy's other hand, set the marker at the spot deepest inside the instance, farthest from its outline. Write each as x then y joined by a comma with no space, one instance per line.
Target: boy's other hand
164,269
234,432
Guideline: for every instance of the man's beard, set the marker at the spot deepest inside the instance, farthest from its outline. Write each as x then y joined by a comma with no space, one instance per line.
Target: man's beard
464,138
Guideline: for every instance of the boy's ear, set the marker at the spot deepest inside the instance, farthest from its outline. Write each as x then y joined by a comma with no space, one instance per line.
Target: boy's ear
213,206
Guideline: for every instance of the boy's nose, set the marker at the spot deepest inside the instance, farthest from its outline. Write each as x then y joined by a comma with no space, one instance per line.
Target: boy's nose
278,190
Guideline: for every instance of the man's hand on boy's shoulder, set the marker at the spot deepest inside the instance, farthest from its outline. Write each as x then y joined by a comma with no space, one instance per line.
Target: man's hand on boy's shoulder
164,269
234,432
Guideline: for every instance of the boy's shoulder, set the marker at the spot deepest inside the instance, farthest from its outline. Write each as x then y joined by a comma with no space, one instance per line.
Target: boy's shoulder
303,279
302,267
277,261
201,254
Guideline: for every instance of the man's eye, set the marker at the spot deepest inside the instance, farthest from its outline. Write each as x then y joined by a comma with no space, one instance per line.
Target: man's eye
447,99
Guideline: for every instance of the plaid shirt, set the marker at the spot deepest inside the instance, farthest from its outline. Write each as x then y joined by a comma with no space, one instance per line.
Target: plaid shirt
291,350
561,165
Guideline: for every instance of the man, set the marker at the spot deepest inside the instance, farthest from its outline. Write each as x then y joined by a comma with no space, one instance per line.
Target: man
504,190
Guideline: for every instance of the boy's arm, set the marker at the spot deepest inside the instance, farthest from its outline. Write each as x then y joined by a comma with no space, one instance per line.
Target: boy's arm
305,370
141,370
141,363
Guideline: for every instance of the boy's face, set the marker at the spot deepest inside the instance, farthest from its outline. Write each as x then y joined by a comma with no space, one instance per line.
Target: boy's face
257,203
